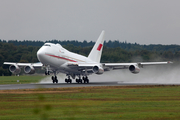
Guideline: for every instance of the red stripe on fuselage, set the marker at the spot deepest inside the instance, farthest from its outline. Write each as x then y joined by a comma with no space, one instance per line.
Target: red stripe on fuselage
99,47
61,58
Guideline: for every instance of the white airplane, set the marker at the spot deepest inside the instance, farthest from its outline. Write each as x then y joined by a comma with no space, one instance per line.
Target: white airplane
54,58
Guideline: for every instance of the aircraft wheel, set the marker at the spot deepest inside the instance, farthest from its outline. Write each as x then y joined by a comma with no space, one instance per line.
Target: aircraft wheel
53,79
86,80
77,80
66,80
46,73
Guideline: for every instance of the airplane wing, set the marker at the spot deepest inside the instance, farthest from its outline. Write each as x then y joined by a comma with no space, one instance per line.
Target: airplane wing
114,65
139,64
29,68
38,64
100,68
133,67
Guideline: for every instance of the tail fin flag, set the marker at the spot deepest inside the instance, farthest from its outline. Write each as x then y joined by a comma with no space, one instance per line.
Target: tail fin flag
95,54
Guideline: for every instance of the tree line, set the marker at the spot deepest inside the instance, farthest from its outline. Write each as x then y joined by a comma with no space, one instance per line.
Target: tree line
110,44
25,51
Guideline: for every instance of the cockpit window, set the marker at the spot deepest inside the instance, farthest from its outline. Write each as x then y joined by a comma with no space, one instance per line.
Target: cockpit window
47,45
58,45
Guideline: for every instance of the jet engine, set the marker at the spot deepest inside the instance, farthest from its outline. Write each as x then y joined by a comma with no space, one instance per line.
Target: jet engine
29,69
98,70
14,69
134,69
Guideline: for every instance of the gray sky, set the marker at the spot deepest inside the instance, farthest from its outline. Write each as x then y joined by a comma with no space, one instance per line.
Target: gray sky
141,21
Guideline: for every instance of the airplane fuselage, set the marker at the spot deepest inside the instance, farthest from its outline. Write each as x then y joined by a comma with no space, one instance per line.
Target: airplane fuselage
58,57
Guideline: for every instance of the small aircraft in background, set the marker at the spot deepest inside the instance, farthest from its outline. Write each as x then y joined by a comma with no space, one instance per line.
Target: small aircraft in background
56,59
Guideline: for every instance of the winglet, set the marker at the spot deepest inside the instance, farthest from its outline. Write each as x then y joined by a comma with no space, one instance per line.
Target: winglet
95,54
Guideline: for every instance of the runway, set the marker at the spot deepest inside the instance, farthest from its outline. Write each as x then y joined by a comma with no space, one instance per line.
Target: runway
65,85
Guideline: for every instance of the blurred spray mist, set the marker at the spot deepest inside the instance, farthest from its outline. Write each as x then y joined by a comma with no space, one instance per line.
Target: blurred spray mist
163,74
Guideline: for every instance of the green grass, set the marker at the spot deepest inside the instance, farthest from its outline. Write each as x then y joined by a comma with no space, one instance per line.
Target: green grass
22,79
90,103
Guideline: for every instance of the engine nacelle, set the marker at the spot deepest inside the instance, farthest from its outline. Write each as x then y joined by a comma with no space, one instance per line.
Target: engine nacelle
98,70
134,69
29,69
14,69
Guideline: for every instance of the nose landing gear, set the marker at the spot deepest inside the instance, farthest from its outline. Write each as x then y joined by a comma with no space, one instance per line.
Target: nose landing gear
47,73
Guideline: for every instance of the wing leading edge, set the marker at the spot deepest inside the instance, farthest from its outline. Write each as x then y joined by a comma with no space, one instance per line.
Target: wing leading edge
39,64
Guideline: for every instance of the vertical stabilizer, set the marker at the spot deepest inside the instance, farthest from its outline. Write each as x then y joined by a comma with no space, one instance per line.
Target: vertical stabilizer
95,54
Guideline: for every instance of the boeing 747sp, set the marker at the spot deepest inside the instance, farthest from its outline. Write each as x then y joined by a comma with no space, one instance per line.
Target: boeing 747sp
54,58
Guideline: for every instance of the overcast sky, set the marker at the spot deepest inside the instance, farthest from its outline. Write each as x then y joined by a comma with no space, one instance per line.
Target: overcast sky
140,21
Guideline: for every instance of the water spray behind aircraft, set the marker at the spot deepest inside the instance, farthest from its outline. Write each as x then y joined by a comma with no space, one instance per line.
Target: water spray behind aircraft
153,74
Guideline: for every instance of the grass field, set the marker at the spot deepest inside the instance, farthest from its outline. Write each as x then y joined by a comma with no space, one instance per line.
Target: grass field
90,103
22,79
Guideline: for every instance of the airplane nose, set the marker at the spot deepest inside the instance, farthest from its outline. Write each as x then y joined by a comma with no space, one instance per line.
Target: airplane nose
40,54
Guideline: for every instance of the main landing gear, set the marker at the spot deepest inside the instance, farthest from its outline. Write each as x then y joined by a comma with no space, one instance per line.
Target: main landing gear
83,80
86,80
69,80
54,79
